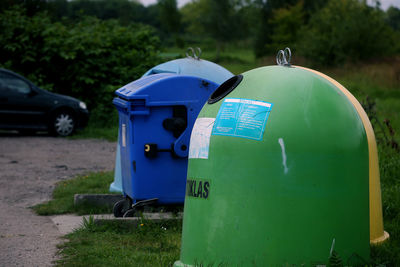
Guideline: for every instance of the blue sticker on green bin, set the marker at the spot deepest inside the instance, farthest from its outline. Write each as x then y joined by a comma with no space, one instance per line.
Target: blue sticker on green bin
242,118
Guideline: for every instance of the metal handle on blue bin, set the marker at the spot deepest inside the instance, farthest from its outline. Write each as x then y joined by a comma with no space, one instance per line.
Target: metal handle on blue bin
195,53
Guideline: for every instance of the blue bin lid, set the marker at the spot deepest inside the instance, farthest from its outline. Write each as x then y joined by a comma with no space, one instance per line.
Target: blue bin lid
166,87
131,89
194,67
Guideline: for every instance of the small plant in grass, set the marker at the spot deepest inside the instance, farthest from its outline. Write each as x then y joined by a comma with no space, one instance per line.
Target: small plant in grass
335,260
88,223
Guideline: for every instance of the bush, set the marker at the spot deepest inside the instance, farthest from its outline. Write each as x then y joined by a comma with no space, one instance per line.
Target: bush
88,59
346,30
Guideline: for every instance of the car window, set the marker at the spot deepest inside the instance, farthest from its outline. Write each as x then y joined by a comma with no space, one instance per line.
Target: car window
14,84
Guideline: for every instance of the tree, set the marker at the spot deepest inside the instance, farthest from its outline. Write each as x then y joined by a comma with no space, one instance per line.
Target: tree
286,24
170,17
220,22
216,19
393,17
346,30
170,21
124,11
266,28
31,7
192,17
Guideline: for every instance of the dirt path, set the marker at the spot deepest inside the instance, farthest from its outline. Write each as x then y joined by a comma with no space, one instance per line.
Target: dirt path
29,169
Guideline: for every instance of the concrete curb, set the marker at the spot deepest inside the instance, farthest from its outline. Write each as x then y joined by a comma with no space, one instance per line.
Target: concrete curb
135,221
70,222
97,199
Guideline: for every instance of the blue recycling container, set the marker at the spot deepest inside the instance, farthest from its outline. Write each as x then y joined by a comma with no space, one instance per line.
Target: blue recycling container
156,117
185,66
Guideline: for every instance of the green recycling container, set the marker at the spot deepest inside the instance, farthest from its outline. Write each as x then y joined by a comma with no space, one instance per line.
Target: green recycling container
283,171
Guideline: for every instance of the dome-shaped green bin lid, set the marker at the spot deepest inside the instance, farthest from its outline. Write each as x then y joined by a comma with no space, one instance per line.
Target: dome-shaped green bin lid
282,172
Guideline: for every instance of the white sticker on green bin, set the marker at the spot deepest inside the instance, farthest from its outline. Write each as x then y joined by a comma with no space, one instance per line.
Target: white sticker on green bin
200,138
244,118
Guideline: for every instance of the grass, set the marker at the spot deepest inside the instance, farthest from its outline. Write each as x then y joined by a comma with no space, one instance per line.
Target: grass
103,123
113,244
91,131
63,195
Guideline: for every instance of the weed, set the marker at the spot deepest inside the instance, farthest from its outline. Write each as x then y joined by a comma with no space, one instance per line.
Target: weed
335,260
88,224
384,132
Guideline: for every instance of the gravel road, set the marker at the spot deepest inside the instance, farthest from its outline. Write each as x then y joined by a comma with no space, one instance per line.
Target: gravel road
29,169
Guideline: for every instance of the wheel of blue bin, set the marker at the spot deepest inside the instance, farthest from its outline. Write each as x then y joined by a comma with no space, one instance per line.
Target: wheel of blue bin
132,213
121,207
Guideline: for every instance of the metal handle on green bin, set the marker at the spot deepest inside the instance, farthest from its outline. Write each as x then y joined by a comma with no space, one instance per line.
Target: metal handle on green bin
283,57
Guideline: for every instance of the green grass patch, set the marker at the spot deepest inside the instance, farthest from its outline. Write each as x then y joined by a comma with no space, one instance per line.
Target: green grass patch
63,195
98,132
115,244
103,124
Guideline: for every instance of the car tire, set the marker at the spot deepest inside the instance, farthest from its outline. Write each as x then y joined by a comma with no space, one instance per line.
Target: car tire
63,123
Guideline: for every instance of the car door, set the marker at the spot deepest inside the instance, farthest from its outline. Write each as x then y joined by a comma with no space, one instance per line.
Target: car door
19,105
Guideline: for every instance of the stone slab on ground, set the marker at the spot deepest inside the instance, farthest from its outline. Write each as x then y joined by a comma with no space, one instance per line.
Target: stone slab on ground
97,199
67,223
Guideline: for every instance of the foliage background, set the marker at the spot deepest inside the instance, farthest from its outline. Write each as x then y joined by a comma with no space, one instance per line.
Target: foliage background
89,48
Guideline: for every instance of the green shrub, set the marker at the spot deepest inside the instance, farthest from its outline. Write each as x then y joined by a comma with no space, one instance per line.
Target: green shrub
88,59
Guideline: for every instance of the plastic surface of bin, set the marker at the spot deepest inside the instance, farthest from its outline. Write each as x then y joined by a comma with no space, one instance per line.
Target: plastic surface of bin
116,185
283,171
185,66
156,115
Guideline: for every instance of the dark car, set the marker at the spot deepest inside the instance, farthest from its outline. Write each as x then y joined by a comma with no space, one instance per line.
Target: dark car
27,108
